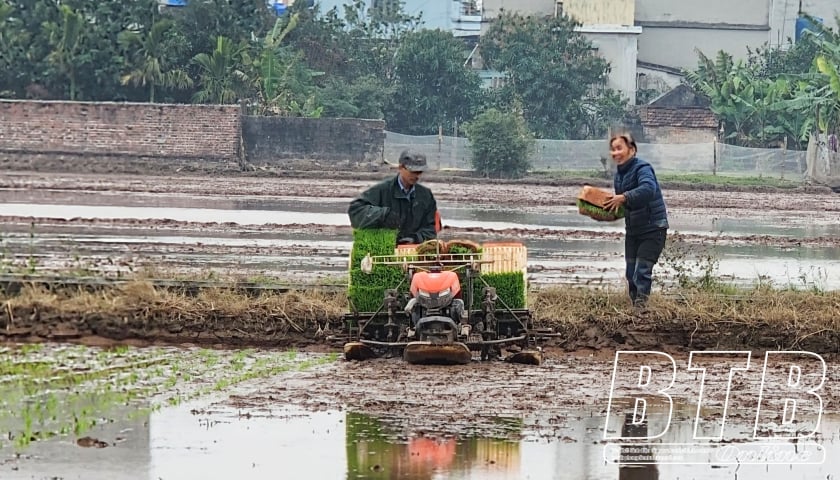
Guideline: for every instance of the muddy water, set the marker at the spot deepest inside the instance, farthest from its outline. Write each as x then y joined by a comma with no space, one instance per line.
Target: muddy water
382,419
314,257
332,211
253,222
197,440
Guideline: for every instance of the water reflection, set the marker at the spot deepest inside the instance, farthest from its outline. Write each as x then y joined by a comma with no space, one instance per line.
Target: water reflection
636,469
188,442
372,454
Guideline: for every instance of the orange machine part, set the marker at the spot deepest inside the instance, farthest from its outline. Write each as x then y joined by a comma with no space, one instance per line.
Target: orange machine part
435,282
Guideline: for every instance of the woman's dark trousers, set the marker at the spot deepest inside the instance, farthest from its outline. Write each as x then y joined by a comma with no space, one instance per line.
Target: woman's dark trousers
641,253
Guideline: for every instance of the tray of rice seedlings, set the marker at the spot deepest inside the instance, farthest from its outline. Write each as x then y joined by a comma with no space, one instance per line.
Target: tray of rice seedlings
506,270
590,202
462,250
510,288
431,249
367,290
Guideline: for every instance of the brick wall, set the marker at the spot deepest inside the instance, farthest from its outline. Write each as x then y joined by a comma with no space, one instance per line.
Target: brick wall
334,143
120,129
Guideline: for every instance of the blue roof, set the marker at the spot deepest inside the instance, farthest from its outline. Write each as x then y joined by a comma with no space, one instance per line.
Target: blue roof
278,6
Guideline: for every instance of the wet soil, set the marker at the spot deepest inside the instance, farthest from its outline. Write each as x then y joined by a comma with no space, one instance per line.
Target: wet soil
475,399
115,257
470,191
807,207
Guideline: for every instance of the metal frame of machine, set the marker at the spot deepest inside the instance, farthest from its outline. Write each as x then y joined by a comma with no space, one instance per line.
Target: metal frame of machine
486,330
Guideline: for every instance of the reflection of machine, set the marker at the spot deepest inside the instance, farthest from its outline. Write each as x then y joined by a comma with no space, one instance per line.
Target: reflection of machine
436,453
375,453
436,322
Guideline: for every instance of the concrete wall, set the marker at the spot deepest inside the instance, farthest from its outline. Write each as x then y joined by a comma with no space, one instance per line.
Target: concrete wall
650,79
437,14
672,30
741,12
338,143
682,42
783,16
601,12
620,48
120,129
492,8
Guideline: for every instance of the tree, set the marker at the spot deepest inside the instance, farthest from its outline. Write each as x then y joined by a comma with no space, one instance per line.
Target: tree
221,79
202,22
66,39
364,97
552,68
13,41
150,59
433,87
355,48
501,144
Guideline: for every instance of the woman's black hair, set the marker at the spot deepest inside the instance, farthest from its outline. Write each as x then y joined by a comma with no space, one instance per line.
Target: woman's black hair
628,140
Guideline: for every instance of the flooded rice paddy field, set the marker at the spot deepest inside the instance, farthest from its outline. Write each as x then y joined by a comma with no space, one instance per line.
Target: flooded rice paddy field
182,412
76,412
297,229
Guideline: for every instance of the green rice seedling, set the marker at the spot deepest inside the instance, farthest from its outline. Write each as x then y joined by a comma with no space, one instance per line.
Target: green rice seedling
510,288
597,213
367,290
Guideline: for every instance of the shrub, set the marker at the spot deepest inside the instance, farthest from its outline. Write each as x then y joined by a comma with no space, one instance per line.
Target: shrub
501,144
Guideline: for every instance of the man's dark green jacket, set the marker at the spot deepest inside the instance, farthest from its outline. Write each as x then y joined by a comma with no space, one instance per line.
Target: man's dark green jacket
417,214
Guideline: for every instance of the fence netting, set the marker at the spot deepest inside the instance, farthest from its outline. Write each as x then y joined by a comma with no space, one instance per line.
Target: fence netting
453,153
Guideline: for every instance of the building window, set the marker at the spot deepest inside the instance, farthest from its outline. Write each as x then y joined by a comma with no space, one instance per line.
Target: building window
558,9
470,8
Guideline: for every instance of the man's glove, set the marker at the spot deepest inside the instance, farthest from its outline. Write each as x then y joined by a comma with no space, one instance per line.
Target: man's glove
392,220
406,240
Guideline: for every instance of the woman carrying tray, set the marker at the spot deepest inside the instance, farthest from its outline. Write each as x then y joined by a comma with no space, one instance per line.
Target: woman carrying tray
645,215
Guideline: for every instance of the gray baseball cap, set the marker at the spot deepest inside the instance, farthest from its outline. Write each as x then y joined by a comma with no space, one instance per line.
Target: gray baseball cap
414,162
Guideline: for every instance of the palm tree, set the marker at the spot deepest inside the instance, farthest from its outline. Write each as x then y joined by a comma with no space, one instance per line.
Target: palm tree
221,77
149,55
65,40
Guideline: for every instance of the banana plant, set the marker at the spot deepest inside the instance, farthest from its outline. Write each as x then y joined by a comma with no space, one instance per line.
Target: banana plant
824,78
829,116
793,111
280,78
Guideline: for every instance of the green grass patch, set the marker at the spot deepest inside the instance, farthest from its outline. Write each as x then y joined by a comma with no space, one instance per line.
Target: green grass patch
709,179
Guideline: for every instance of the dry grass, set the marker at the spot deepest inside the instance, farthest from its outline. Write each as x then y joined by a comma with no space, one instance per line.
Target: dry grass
763,316
141,305
788,318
